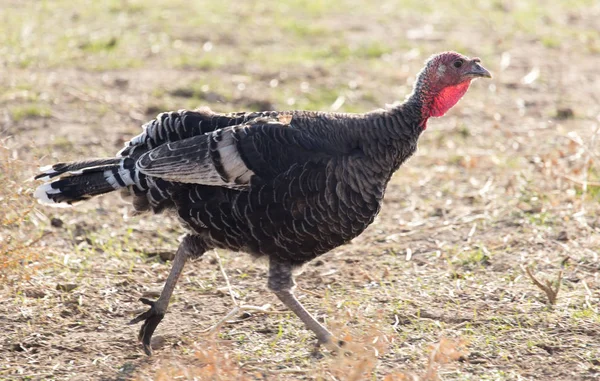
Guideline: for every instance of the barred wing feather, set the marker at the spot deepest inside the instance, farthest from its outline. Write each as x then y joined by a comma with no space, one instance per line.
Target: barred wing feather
230,157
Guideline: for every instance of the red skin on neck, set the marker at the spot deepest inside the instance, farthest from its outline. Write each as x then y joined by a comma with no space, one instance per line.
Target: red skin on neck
444,100
447,98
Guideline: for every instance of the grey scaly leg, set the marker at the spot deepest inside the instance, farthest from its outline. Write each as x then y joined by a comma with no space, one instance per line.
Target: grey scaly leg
190,247
281,282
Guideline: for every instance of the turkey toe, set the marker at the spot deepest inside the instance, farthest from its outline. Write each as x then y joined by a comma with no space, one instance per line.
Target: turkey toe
151,319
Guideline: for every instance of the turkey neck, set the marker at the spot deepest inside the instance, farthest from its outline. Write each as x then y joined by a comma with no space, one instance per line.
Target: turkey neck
380,141
390,137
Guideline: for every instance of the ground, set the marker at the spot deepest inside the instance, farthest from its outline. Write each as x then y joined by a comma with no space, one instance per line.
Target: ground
436,287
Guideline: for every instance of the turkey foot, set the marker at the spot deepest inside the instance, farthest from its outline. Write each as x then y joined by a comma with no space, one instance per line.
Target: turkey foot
333,345
190,245
151,319
281,282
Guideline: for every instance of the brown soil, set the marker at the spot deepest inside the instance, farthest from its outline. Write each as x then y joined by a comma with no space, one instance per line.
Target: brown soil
509,178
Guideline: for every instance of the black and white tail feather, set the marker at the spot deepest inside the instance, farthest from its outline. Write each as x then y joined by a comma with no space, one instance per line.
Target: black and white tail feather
68,183
143,169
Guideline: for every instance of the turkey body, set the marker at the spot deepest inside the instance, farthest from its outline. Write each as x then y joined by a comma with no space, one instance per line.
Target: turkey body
318,179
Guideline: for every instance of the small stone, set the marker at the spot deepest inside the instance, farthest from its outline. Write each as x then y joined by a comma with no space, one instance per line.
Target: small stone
565,113
151,294
163,255
166,255
438,212
524,207
66,287
157,342
56,222
183,92
563,236
529,208
121,82
34,293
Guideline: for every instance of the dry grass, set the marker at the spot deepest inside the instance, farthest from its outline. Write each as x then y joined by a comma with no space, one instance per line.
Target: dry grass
18,255
440,354
508,179
213,362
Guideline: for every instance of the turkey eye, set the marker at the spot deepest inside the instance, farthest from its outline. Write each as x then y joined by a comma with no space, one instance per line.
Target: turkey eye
458,63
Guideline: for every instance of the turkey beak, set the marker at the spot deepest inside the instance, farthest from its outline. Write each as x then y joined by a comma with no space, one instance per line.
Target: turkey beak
477,70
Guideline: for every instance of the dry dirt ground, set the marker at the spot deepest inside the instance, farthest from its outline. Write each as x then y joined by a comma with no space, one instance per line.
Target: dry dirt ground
436,287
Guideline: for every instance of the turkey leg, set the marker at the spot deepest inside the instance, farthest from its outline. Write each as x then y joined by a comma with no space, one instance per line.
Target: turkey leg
191,246
281,282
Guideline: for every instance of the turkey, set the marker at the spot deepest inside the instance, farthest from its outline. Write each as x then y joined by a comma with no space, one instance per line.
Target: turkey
289,186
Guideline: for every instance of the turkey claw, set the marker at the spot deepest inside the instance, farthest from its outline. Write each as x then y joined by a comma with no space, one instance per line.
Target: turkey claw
151,319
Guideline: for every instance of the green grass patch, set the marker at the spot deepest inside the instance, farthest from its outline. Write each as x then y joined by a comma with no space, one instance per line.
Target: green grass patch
20,113
586,314
99,45
472,258
200,61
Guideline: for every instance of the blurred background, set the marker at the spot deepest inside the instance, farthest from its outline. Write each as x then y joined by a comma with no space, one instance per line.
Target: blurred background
509,178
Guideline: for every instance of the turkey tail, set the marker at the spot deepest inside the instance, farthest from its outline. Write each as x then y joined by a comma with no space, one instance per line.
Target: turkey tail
82,180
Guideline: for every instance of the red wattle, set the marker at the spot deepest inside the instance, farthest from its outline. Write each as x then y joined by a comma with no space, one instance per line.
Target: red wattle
447,98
